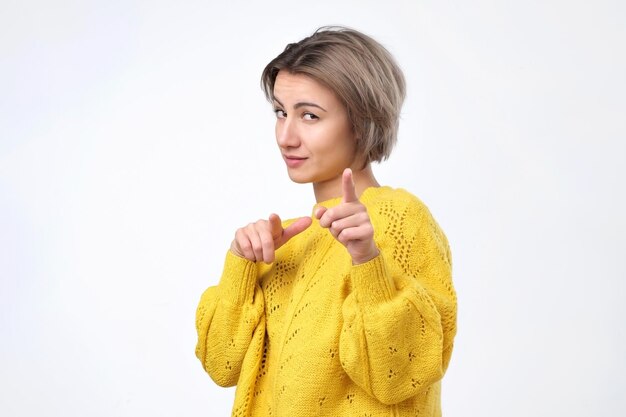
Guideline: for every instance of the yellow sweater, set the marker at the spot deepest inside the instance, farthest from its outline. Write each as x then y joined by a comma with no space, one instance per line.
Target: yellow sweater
313,335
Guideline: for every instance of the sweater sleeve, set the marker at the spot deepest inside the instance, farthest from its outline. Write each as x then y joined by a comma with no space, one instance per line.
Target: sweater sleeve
229,318
400,317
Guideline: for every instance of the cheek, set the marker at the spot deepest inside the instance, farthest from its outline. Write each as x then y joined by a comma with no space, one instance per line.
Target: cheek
348,141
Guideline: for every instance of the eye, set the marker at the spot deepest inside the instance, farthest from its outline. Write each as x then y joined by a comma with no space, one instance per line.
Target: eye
309,116
280,114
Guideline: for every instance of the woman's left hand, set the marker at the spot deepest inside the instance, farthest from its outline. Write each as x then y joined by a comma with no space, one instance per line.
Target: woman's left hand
349,223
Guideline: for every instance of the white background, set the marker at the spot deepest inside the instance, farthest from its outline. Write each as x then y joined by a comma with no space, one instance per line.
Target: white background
134,140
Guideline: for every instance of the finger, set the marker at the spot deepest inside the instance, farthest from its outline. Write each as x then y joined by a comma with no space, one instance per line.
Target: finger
319,212
356,220
296,227
244,245
341,211
361,233
267,242
347,184
255,240
276,227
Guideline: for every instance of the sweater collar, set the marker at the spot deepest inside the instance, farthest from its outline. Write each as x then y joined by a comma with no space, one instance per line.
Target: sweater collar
368,195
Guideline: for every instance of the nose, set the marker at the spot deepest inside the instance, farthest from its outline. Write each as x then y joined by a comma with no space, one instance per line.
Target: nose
286,133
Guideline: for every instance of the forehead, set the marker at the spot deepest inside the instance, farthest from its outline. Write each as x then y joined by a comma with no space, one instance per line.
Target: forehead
290,87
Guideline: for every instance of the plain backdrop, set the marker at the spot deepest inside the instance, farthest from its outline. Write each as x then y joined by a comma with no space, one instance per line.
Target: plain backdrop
135,140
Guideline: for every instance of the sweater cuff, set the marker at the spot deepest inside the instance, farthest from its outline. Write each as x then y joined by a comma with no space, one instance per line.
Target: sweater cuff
371,282
238,279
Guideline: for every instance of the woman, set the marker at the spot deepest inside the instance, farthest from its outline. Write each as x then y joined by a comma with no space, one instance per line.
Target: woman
350,312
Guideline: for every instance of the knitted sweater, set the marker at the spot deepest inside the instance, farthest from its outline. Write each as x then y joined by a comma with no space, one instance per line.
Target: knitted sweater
313,335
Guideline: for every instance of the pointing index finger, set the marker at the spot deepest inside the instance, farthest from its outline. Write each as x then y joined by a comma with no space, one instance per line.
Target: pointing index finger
347,184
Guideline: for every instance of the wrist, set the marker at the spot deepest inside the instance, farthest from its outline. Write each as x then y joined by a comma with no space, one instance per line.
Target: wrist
366,258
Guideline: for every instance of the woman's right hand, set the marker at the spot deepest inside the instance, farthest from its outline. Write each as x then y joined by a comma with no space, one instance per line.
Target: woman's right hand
259,241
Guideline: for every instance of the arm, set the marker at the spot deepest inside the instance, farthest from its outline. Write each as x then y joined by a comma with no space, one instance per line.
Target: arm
400,318
228,319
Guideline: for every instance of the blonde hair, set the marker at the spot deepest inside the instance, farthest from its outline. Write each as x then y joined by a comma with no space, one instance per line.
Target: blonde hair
363,75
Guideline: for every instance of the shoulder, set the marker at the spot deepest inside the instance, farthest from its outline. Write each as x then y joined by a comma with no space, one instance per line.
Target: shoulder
399,217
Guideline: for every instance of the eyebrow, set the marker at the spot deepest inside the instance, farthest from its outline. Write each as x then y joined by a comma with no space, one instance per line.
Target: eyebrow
301,104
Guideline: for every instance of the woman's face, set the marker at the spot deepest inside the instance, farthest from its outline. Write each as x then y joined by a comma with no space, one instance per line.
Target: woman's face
313,132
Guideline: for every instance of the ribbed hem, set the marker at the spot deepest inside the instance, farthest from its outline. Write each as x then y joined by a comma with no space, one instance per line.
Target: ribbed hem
371,282
238,279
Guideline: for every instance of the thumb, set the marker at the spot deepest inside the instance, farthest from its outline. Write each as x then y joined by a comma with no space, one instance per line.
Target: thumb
294,228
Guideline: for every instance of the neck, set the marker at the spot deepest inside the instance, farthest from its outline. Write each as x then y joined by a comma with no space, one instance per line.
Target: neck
328,189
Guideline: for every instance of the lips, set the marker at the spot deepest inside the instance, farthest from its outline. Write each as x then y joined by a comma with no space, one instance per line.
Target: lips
294,161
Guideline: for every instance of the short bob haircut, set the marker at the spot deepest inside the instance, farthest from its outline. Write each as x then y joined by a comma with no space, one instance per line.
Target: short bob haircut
363,75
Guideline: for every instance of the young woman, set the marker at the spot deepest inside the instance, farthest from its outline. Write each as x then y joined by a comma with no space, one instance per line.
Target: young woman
350,312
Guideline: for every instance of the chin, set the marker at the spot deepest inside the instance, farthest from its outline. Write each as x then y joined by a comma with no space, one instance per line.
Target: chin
299,179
